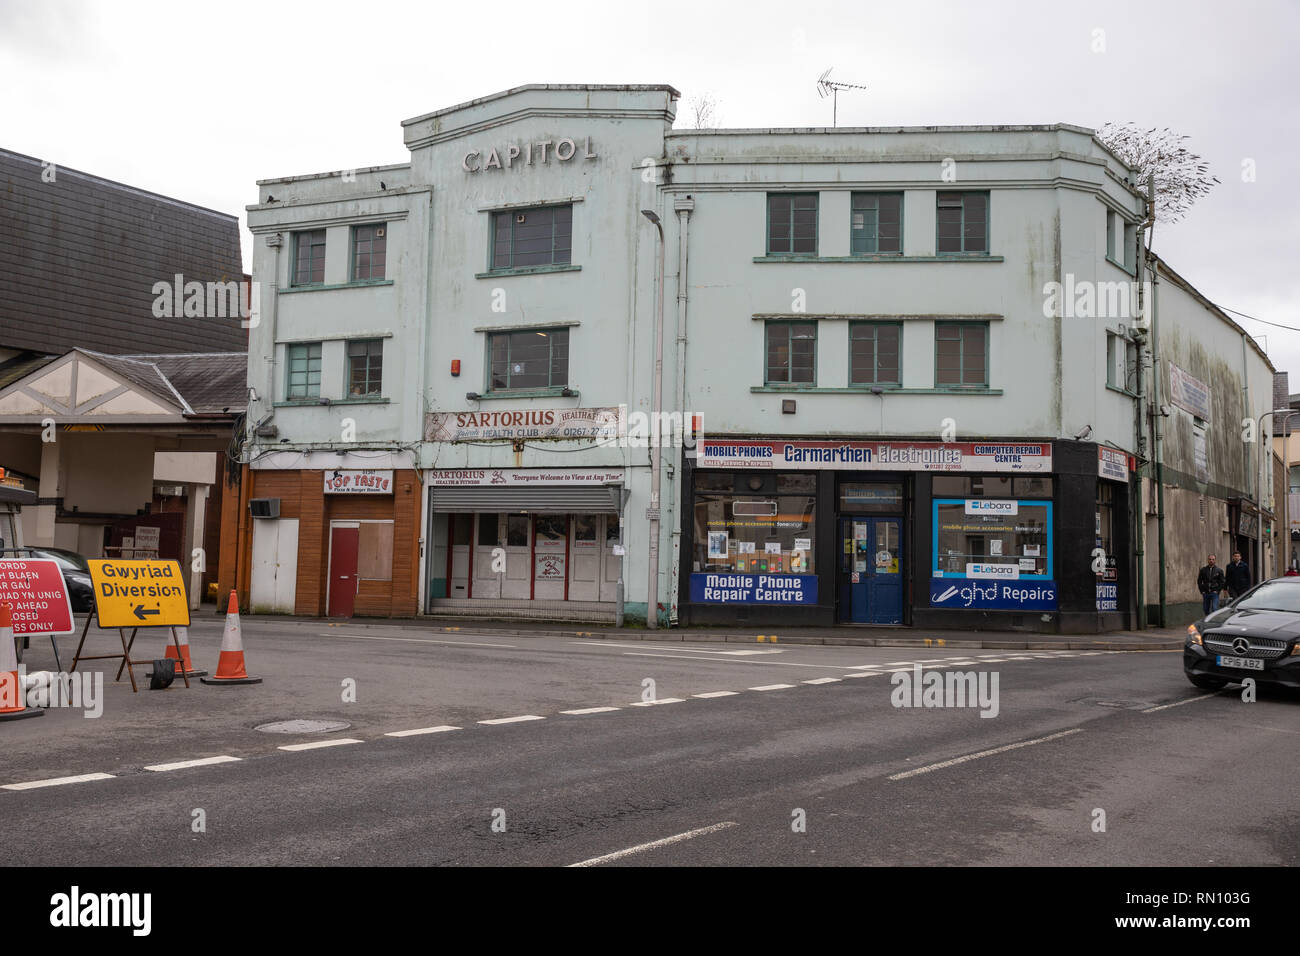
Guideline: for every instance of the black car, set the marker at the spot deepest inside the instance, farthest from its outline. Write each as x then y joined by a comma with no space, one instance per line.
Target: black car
1257,636
76,575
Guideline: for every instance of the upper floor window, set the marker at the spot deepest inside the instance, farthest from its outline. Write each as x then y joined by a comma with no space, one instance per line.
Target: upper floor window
963,223
792,224
791,353
369,252
873,353
527,359
1111,220
304,371
961,354
1121,363
365,368
538,236
877,224
309,257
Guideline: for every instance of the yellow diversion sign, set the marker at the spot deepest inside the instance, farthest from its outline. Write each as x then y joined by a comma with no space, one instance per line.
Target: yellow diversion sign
139,593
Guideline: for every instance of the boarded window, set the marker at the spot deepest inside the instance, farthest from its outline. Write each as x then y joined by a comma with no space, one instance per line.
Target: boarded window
375,551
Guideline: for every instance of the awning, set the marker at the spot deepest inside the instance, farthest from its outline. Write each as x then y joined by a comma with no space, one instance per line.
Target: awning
600,499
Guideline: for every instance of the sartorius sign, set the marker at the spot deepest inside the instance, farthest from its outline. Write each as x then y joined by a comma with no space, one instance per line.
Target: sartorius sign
528,154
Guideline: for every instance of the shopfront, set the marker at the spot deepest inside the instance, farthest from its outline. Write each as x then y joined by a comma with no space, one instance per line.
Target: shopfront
545,539
927,534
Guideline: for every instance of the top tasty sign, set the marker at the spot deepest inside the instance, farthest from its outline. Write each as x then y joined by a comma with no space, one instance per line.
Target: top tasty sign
875,456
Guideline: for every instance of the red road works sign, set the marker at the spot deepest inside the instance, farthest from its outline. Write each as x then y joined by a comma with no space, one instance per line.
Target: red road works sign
35,592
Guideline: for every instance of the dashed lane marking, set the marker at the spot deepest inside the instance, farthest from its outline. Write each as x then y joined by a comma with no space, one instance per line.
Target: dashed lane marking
717,693
1179,703
654,844
440,729
983,753
414,640
511,720
184,764
823,680
865,674
655,703
589,710
57,781
727,660
772,687
318,744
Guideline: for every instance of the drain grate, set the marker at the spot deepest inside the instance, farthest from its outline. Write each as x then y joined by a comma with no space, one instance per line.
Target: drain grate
303,726
1115,704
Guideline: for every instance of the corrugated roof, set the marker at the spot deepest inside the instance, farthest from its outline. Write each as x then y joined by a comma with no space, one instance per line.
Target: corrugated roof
210,382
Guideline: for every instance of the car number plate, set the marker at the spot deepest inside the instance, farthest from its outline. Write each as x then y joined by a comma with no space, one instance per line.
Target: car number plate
1244,663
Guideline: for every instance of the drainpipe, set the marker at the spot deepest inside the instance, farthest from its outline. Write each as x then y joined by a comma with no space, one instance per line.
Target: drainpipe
656,450
1140,517
684,208
1158,420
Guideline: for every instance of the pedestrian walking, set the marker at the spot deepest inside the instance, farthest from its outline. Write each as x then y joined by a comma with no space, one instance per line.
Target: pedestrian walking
1237,574
1210,582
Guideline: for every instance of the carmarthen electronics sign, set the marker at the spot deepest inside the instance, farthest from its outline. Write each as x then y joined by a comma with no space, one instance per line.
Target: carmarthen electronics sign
874,456
602,423
993,595
358,482
729,588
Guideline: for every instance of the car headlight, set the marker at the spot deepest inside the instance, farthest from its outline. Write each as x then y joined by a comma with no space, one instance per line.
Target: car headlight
1295,651
1194,636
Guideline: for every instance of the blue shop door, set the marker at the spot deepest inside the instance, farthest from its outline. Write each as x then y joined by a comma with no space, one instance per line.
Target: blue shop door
855,569
884,589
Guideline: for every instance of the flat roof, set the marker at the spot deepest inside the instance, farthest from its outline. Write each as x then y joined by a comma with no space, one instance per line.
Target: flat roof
529,87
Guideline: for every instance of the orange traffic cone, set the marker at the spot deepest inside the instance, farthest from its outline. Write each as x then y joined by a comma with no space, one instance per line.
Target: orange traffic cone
183,638
12,693
230,665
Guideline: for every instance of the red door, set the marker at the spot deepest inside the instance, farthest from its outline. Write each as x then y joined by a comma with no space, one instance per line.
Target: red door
343,570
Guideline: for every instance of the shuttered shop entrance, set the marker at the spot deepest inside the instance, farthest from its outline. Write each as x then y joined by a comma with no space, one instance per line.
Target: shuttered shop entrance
586,500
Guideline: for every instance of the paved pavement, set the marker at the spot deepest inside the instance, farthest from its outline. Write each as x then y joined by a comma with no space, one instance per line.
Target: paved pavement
740,743
854,636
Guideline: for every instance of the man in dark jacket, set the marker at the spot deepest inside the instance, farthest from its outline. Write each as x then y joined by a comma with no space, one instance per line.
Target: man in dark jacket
1210,582
1238,576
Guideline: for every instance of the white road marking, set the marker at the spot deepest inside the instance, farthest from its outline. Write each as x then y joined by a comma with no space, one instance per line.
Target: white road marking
654,844
676,647
864,674
413,640
653,703
994,660
823,680
983,753
725,660
1179,703
590,710
896,664
183,764
317,744
772,687
57,781
717,693
511,720
441,728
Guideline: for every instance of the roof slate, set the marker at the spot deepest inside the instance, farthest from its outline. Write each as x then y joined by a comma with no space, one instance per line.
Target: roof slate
79,257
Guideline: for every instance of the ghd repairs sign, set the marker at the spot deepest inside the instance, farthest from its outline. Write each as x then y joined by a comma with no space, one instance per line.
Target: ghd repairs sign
528,154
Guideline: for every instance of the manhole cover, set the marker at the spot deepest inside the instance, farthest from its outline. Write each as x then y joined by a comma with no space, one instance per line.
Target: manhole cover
1115,704
303,726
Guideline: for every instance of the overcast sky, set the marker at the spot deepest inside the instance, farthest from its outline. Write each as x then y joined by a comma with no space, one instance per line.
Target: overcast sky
198,101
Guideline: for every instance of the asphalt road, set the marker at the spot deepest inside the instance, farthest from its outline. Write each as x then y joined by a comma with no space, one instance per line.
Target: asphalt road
1209,780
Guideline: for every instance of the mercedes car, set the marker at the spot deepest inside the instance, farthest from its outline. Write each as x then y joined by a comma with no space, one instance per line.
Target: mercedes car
1256,636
